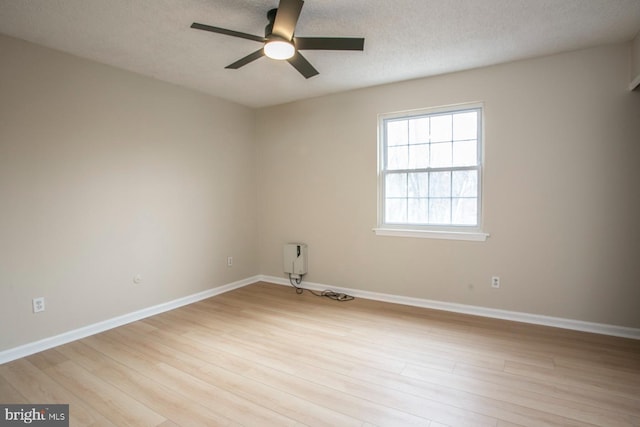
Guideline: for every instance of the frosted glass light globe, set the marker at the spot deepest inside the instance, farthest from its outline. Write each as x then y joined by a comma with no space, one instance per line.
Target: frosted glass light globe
279,49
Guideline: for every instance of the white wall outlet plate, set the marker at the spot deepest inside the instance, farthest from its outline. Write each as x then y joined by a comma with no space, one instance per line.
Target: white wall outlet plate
38,304
495,282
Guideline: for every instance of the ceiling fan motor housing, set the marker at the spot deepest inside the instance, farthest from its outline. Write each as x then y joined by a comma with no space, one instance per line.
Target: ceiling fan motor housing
271,16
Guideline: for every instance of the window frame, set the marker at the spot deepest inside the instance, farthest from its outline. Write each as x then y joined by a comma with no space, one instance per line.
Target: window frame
445,231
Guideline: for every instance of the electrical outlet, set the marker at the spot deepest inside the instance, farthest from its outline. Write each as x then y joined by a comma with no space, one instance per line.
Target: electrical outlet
495,282
38,304
229,261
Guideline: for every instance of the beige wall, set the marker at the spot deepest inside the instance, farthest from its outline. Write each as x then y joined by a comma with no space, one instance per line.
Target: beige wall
561,196
106,174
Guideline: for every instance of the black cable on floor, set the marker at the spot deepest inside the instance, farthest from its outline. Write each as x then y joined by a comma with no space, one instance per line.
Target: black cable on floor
336,296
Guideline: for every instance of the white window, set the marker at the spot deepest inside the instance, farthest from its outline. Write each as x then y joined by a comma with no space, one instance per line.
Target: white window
430,173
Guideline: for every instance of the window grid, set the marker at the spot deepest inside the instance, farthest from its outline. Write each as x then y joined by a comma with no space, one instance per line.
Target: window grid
428,197
422,209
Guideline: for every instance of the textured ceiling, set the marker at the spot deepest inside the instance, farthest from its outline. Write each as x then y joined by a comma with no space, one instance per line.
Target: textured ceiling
405,39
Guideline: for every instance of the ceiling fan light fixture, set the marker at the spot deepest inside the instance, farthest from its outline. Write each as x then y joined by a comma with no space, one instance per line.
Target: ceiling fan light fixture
279,42
279,49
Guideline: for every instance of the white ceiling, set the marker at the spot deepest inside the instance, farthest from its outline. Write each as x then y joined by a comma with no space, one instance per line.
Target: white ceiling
405,39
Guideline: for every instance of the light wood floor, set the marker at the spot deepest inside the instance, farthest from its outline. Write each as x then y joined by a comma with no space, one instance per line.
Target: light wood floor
264,356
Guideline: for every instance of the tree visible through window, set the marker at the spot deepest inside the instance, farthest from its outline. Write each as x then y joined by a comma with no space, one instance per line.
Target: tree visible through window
430,168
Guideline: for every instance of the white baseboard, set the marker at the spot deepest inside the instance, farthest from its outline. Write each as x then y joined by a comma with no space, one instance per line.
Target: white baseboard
536,319
85,331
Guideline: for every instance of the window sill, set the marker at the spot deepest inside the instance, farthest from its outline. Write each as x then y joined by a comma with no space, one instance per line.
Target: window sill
474,236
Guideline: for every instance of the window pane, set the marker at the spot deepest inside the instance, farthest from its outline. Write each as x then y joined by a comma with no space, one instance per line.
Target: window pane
418,211
418,184
440,184
396,211
465,126
419,156
398,157
441,128
439,211
465,211
419,131
465,153
396,185
441,155
397,133
464,184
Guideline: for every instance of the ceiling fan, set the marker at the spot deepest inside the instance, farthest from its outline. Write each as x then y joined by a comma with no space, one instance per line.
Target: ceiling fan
280,42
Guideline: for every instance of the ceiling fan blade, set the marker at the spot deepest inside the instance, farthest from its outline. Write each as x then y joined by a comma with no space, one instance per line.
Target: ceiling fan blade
329,43
301,64
224,31
247,59
287,18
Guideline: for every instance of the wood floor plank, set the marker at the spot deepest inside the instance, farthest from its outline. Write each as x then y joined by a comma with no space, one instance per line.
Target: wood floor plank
467,393
109,401
347,404
589,397
432,407
264,355
502,423
198,360
9,394
164,400
47,358
84,355
223,401
231,405
340,375
38,387
271,366
576,377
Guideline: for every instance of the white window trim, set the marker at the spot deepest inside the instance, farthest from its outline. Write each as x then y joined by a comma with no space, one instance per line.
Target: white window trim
473,233
432,234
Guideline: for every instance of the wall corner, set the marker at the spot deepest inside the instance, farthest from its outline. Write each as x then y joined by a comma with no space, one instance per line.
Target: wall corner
635,64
